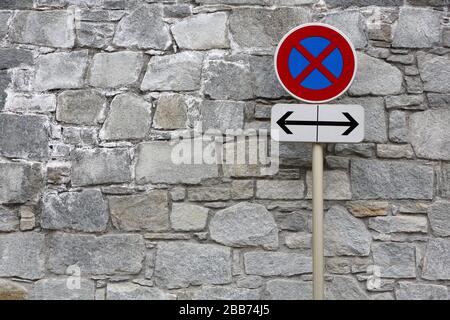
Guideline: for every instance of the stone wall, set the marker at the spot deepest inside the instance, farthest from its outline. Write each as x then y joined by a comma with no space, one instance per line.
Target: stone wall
90,91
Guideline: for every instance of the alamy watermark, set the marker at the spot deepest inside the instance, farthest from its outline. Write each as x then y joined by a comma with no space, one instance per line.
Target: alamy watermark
232,148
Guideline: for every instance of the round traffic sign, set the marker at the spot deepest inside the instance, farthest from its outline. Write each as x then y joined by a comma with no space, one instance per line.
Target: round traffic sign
315,62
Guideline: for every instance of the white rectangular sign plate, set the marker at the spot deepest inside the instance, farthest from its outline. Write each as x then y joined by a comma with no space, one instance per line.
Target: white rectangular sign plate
317,123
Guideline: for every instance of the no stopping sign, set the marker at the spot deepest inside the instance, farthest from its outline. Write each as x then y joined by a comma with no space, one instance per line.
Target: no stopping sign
315,63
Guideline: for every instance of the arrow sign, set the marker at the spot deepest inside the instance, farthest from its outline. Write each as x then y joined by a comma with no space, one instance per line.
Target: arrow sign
318,123
351,123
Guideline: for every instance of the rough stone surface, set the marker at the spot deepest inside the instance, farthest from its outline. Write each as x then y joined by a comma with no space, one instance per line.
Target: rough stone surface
144,29
94,34
11,58
129,118
434,71
61,70
345,234
100,166
195,32
345,288
9,221
123,69
110,112
395,151
155,165
50,28
417,28
282,189
4,17
407,180
223,80
148,211
419,291
222,115
5,79
171,112
107,254
437,260
336,185
375,77
180,264
351,23
81,211
396,260
244,224
188,217
60,289
398,127
23,137
263,28
429,134
22,255
179,72
439,215
19,182
288,290
131,291
84,107
399,224
277,263
225,293
12,291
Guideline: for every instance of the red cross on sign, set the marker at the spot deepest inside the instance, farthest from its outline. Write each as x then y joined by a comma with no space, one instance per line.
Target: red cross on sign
315,63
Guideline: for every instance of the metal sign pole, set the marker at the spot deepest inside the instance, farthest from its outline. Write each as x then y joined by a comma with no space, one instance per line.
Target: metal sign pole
318,254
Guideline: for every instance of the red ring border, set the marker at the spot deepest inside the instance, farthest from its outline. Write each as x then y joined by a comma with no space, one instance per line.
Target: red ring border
291,39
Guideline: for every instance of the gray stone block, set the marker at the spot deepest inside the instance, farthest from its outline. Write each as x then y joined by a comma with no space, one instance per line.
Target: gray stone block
144,28
43,28
188,217
116,69
22,255
351,23
263,28
420,291
281,289
102,255
396,260
345,235
373,179
429,134
100,166
417,28
60,289
61,70
277,263
84,211
24,137
9,220
129,118
132,291
434,71
244,224
439,215
20,182
436,265
84,107
181,264
376,77
176,72
195,33
156,165
12,58
149,211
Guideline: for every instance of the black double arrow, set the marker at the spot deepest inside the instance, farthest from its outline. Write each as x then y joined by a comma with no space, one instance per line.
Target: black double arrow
283,122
